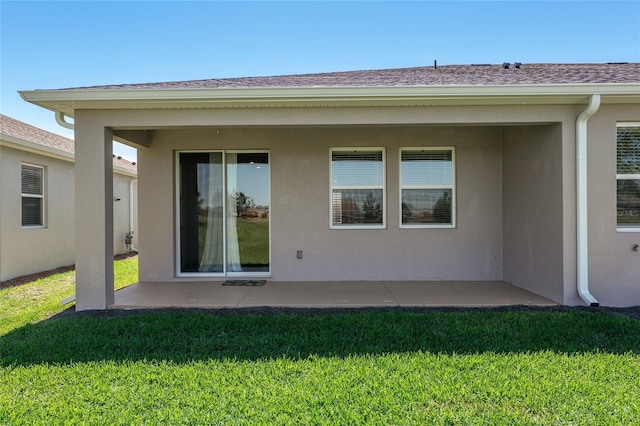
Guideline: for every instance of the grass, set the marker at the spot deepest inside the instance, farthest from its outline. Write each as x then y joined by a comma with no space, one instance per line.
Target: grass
40,299
253,241
370,367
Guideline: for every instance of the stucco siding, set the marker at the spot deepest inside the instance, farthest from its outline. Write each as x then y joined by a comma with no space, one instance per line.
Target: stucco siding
121,211
26,250
532,209
515,181
300,205
614,269
30,250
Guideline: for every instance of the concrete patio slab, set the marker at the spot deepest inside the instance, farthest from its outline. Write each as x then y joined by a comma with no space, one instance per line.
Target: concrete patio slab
321,294
179,294
463,293
212,294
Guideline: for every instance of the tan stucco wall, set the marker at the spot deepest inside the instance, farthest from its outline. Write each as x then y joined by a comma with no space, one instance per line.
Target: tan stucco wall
25,251
532,209
614,269
300,205
299,161
121,212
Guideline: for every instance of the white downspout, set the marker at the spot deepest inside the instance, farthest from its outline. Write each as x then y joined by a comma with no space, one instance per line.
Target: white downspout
61,121
581,199
132,210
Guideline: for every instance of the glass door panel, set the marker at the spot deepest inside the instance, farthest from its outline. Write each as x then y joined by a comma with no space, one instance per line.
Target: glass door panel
247,212
201,212
224,227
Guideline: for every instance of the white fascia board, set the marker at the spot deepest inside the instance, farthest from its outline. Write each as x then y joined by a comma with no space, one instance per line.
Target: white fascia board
125,172
70,99
35,148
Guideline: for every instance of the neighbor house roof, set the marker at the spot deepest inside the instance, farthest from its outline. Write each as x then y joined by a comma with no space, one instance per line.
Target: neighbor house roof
468,75
19,132
502,84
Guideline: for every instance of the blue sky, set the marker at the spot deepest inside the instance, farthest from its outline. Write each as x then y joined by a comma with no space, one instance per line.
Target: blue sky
52,44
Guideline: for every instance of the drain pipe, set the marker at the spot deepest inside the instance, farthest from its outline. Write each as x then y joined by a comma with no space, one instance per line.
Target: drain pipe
61,121
581,198
132,209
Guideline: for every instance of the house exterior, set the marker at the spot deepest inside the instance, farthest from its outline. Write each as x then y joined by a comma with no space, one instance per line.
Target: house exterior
523,173
37,214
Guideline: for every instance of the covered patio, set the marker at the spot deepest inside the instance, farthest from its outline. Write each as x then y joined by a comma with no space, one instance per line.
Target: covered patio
326,294
457,186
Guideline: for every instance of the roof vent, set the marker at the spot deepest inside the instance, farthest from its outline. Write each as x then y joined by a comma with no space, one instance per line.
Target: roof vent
505,65
517,65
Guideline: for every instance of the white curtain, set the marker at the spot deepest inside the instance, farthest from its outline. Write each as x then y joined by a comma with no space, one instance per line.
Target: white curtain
233,250
211,190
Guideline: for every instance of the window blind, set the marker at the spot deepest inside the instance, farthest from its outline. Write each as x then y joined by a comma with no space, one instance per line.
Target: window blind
32,180
628,169
357,169
31,211
628,150
426,168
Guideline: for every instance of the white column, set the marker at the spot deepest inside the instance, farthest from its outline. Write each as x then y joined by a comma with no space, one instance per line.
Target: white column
94,214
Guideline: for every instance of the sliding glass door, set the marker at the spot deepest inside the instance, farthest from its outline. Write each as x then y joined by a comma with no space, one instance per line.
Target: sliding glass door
223,213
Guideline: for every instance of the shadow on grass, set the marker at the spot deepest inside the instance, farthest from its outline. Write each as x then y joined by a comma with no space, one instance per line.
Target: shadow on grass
191,335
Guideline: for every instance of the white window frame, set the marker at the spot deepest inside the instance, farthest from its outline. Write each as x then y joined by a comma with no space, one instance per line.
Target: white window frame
382,187
635,176
38,196
177,245
451,186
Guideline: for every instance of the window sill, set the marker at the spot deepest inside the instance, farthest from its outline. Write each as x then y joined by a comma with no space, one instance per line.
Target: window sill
430,226
359,227
628,230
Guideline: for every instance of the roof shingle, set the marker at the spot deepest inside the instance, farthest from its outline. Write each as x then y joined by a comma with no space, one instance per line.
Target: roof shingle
21,130
421,76
18,129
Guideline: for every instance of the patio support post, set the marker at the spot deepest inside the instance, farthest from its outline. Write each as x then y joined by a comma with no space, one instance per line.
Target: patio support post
94,215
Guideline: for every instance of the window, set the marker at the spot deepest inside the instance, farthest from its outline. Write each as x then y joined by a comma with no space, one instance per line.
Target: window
357,188
427,188
32,196
628,177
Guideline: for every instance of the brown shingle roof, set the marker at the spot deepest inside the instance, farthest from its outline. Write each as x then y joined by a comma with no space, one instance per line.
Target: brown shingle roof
18,129
124,163
21,130
422,76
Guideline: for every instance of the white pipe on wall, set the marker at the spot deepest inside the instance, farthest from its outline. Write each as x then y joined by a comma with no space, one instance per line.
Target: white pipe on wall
581,199
61,121
132,209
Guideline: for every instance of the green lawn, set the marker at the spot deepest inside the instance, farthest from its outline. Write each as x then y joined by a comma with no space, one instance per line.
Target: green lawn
377,367
40,299
253,241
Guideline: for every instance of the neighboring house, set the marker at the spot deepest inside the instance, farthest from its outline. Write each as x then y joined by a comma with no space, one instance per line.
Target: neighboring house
37,225
454,173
